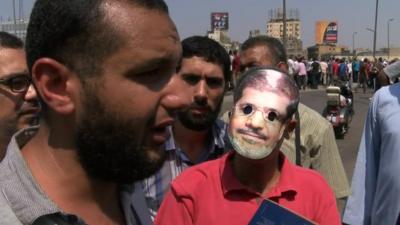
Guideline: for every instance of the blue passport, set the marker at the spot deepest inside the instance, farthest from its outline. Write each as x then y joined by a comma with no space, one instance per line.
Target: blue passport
270,213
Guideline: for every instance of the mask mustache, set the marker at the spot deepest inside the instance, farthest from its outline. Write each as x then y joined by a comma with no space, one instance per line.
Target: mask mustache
252,133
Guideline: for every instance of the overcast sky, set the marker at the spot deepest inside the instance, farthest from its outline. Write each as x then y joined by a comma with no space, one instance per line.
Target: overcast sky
193,17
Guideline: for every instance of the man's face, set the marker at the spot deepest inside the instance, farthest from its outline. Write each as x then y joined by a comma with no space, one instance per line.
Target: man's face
125,112
16,110
205,85
255,56
257,123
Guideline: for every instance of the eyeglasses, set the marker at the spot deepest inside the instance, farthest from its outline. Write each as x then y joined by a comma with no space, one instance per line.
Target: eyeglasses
17,83
247,110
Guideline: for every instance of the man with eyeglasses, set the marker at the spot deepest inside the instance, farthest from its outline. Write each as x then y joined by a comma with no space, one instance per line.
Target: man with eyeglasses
19,106
230,189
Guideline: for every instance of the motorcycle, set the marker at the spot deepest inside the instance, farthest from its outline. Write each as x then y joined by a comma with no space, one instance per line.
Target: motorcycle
339,108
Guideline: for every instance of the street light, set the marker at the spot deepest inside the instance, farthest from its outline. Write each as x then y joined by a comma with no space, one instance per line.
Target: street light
15,19
388,36
284,37
373,31
376,21
354,52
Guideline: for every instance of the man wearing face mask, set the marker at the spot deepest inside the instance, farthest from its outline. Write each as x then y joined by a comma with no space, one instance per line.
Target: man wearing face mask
229,190
313,143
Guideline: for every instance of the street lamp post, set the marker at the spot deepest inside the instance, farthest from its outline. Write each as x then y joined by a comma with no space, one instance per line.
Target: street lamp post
376,21
15,19
388,36
284,24
373,31
354,51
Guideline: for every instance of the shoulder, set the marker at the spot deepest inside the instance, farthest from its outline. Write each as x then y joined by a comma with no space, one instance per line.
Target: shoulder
311,183
310,116
195,178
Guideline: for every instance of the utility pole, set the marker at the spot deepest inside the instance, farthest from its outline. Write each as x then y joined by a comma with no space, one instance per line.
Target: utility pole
15,19
375,30
284,39
354,51
388,36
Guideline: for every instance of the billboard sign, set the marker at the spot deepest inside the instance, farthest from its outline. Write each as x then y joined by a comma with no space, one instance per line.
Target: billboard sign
219,21
326,32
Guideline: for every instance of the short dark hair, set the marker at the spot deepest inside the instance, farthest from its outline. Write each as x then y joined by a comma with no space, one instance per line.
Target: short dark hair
275,47
8,40
256,78
76,32
208,49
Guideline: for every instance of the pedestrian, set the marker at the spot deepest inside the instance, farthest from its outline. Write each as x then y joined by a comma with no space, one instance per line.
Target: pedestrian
356,69
324,72
302,83
18,100
229,190
315,74
363,75
197,135
106,82
389,74
375,184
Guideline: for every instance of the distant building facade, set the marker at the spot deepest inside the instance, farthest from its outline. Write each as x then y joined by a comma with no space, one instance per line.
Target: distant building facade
254,33
18,28
321,51
274,28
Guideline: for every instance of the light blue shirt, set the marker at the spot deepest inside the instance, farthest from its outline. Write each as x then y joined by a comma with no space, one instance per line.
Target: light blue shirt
375,197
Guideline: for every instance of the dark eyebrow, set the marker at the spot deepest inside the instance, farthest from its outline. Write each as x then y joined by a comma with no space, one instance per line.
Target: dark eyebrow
149,65
12,75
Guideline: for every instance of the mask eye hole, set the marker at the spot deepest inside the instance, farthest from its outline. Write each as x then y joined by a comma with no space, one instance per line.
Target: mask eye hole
272,116
247,109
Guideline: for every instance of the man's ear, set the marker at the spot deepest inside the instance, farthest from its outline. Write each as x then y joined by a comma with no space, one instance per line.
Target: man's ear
283,66
54,82
291,125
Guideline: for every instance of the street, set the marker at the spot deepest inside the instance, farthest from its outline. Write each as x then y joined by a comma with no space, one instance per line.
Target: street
348,146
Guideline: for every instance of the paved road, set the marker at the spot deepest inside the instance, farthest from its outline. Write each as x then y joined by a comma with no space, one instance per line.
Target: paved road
348,146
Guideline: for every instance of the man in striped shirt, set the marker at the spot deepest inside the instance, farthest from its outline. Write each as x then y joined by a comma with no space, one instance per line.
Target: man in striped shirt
197,136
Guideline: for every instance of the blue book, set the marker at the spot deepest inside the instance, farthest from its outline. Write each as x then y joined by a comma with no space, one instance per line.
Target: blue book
270,213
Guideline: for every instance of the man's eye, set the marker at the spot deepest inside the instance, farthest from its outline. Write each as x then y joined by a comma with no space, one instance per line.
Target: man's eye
272,116
248,109
191,79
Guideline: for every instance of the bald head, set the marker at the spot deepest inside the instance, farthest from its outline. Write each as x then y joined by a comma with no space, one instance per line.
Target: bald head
269,79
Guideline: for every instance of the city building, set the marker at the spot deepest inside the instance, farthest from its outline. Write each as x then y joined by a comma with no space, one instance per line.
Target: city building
294,45
254,33
320,51
220,36
18,28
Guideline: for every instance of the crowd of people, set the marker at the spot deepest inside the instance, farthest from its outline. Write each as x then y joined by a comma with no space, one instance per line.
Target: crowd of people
105,120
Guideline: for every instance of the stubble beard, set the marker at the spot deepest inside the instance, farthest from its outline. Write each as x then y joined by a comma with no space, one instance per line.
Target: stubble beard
114,149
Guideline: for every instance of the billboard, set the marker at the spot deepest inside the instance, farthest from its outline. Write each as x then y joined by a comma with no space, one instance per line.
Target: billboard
219,21
326,32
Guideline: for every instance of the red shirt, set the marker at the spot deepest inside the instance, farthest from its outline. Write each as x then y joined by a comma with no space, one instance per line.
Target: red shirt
209,194
335,68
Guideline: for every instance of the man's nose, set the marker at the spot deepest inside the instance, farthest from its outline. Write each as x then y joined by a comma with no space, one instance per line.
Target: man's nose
31,94
200,95
174,98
